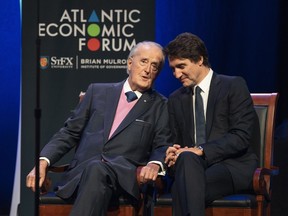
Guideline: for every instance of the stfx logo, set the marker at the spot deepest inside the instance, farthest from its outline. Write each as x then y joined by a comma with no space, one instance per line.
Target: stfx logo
62,61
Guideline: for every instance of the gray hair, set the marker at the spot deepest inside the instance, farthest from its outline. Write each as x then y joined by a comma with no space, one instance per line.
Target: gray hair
151,43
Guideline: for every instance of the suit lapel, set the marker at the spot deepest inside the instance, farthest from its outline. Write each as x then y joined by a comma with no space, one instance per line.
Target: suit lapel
187,111
139,108
213,93
113,92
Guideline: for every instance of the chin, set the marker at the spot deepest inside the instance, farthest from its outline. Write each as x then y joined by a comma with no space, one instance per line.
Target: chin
144,88
185,85
145,85
188,84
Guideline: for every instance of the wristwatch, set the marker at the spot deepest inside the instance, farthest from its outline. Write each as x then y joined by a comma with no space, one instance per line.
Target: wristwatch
203,153
200,148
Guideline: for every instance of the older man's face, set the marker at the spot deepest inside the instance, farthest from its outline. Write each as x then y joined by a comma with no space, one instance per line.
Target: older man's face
143,67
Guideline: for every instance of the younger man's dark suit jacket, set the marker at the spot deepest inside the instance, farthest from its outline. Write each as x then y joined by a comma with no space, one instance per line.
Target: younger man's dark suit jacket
142,136
231,126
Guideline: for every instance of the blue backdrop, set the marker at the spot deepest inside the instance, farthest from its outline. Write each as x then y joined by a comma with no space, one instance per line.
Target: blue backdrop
9,95
243,37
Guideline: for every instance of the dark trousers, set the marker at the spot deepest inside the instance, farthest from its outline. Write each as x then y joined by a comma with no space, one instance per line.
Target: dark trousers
195,185
96,188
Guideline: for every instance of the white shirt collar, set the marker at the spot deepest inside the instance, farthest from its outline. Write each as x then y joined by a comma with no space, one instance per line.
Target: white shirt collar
127,88
205,83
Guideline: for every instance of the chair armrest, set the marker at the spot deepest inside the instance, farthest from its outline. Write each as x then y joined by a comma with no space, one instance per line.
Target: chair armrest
261,180
58,169
62,168
48,182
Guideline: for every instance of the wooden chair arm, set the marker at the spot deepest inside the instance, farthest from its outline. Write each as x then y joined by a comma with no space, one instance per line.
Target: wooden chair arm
48,182
46,186
261,180
62,168
58,169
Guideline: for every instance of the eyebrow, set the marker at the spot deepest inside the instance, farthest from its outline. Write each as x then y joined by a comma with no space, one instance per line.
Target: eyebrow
151,61
179,65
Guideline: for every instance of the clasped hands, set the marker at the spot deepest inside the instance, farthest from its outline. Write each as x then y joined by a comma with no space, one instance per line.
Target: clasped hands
174,151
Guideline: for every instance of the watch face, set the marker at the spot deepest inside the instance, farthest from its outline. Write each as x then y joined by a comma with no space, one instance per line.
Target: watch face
200,147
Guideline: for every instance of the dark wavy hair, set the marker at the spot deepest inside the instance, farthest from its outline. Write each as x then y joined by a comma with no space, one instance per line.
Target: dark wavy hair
189,46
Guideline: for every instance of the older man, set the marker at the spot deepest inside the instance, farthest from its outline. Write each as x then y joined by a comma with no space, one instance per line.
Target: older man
117,127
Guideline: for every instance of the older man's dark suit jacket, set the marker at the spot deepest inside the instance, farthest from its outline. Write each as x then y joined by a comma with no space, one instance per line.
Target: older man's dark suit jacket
142,136
231,126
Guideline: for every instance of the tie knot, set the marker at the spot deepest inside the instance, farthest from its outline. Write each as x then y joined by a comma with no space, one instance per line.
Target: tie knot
131,96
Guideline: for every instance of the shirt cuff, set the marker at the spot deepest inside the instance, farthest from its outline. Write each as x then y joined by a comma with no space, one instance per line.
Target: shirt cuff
46,159
162,171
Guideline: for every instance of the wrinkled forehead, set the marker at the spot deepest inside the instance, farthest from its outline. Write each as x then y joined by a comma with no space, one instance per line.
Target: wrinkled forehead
149,52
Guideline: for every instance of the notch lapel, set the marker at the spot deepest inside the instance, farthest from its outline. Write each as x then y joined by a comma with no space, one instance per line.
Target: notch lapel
111,93
213,94
187,111
142,105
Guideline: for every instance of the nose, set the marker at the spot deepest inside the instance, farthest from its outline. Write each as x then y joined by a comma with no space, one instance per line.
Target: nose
148,68
177,73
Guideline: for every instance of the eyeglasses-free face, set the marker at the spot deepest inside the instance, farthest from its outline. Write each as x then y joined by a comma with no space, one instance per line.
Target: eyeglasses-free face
154,67
144,66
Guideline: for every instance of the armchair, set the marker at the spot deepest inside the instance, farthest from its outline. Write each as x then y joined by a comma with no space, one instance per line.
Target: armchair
257,203
51,205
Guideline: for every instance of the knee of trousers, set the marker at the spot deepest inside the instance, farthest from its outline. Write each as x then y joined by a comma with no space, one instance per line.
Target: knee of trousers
188,159
95,171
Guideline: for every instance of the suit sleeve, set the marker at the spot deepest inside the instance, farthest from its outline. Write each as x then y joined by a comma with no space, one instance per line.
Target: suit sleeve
233,124
162,134
69,135
173,123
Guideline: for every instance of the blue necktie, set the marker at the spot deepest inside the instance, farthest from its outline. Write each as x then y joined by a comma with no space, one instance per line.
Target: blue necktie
200,118
131,96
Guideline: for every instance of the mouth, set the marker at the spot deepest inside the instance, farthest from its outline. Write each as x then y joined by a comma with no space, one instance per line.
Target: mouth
183,79
146,78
